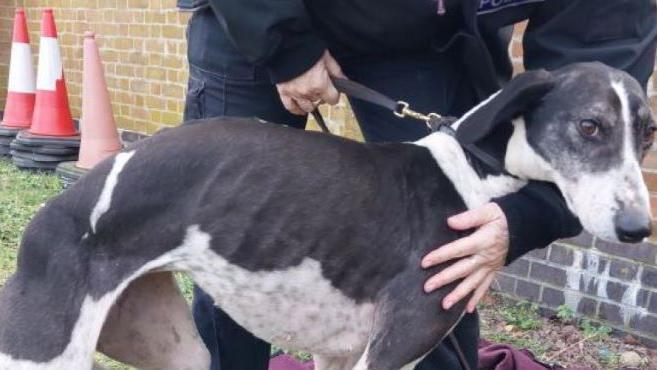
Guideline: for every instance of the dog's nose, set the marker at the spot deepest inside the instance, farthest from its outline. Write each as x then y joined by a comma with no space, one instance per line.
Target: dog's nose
632,226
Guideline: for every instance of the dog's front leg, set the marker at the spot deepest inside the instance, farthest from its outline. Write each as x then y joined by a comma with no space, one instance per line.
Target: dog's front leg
408,323
151,327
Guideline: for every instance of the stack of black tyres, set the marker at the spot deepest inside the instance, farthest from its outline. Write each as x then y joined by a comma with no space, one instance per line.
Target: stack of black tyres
34,152
69,173
7,135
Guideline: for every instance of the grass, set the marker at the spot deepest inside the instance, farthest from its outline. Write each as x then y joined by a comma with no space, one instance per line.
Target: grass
22,193
519,318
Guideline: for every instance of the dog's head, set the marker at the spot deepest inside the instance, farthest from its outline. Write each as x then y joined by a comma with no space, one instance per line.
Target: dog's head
584,127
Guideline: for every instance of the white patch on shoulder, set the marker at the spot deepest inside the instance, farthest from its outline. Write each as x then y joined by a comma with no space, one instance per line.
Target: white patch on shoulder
474,190
105,199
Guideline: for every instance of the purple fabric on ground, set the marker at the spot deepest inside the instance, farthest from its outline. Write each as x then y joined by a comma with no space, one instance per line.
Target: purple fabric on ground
286,362
505,357
491,357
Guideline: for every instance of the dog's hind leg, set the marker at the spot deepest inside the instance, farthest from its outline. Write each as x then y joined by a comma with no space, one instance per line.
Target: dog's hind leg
151,327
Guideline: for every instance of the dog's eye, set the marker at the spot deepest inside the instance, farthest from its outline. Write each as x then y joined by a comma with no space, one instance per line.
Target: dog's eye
589,127
649,132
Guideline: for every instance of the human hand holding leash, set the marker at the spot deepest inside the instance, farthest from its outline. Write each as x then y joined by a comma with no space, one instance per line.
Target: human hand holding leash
483,252
302,94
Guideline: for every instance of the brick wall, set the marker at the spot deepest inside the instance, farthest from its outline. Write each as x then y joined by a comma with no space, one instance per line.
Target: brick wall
611,283
142,44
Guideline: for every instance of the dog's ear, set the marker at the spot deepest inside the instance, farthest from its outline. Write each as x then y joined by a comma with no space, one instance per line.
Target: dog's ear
519,95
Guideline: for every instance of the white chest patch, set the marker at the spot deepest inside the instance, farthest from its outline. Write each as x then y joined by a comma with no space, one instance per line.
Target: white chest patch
474,190
291,308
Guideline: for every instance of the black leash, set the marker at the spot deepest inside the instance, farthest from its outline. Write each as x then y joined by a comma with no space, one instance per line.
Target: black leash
434,122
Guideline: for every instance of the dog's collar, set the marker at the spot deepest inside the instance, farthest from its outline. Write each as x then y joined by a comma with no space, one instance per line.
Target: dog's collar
437,123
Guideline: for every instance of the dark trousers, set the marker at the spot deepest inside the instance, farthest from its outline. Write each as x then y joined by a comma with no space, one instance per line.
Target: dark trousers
227,85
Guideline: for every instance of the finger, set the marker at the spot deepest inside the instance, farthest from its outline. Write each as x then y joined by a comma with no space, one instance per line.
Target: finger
330,95
475,217
291,106
454,272
456,249
306,105
332,66
464,288
480,292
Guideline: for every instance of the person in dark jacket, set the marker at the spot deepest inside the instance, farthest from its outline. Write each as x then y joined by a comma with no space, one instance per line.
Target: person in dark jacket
274,60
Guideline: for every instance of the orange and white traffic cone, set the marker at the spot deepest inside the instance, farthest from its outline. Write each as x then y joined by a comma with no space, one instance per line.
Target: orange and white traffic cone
100,139
52,115
21,90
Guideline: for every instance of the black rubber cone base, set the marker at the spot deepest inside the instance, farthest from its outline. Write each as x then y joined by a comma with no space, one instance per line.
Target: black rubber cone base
33,165
43,157
8,131
69,173
62,151
6,140
25,138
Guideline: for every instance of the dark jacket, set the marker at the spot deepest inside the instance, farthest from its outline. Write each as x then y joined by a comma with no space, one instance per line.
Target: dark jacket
289,36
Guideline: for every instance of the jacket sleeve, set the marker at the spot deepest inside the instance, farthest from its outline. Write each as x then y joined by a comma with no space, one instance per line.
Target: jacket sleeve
537,215
619,33
275,33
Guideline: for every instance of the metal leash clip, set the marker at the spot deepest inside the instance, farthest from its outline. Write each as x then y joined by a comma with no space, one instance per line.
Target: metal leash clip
434,121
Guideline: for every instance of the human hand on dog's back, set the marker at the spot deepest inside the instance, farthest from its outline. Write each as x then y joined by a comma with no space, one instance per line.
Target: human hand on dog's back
301,94
483,253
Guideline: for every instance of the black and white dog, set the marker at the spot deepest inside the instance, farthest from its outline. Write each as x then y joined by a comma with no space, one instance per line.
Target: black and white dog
309,241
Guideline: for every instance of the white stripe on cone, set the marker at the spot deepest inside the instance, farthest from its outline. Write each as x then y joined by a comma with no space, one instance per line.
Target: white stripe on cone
50,64
21,70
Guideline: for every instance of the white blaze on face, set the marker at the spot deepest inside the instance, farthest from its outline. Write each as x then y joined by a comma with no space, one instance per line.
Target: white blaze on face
105,198
637,192
50,64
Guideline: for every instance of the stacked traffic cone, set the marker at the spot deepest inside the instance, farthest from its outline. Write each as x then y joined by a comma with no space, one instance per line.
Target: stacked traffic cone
21,87
52,137
100,138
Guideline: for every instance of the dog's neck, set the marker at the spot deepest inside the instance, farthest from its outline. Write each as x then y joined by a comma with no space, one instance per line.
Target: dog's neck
475,182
